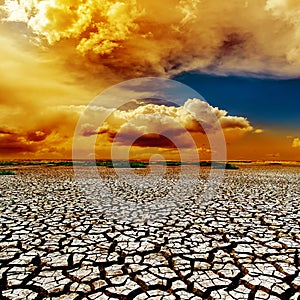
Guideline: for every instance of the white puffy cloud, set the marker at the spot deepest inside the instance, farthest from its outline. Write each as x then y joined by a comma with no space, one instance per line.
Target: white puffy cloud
154,121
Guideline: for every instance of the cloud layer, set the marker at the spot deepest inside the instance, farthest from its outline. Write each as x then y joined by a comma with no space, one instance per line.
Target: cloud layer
56,56
146,37
151,122
50,132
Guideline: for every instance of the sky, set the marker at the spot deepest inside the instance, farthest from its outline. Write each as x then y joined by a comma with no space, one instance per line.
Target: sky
241,60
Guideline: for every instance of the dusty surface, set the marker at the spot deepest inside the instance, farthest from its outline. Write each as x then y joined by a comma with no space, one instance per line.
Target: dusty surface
243,244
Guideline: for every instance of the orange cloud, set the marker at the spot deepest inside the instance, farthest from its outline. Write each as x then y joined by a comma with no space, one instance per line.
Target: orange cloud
187,126
57,55
33,87
47,133
145,37
179,124
258,131
296,143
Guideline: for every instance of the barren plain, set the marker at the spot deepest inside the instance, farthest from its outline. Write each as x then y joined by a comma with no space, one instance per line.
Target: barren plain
243,243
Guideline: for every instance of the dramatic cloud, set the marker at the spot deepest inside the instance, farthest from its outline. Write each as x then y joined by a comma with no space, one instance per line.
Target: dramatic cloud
147,123
98,25
145,37
46,134
33,88
57,55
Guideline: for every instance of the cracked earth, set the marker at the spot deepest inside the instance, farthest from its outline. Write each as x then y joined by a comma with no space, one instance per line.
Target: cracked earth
241,244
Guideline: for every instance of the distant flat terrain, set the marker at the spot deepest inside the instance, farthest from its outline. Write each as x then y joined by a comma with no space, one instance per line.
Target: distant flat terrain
243,243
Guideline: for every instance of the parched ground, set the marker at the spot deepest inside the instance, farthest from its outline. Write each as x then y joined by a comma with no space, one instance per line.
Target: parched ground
242,244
